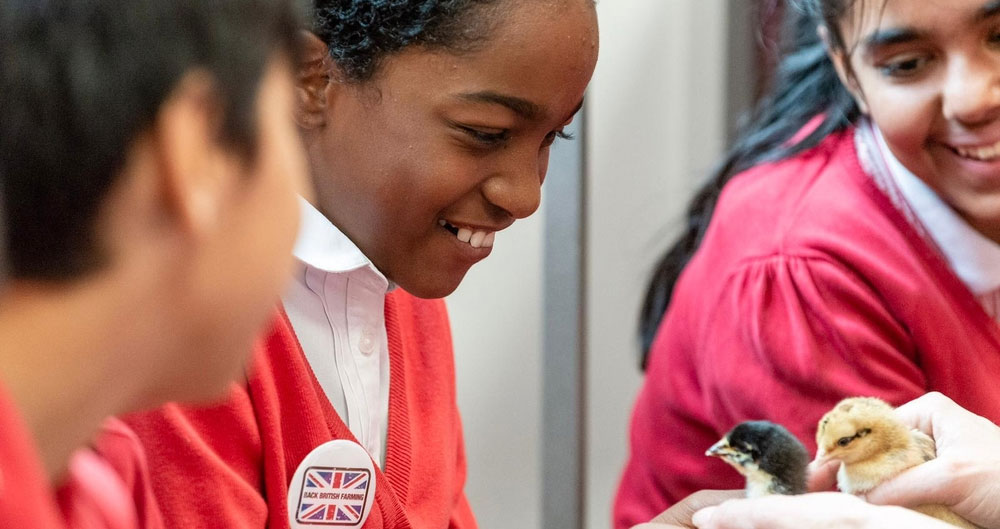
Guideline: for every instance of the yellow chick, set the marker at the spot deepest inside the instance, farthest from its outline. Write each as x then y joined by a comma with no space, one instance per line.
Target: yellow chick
873,445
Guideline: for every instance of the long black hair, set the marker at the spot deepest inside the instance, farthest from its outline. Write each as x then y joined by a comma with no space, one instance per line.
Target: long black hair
805,87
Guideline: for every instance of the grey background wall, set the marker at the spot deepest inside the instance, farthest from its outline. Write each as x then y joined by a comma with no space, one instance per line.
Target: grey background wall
658,123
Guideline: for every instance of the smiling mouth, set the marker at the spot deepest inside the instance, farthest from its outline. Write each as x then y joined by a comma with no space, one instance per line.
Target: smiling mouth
474,238
988,153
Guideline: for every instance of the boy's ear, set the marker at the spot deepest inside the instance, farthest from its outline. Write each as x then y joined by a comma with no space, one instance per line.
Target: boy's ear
843,65
195,170
313,77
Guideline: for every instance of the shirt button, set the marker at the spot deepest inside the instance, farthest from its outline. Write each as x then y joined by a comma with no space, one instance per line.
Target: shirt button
367,344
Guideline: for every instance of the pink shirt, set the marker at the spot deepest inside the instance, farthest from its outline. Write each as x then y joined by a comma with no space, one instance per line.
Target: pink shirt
98,495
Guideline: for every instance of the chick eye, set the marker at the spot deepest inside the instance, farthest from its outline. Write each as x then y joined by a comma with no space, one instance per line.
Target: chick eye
844,441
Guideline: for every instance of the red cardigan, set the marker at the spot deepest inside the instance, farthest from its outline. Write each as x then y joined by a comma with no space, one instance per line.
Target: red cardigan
809,287
26,498
230,466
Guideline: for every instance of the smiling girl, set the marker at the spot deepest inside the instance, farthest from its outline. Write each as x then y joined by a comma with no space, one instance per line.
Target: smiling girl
853,249
428,125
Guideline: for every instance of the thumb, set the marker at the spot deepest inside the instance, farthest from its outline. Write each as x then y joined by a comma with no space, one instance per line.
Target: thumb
927,483
822,476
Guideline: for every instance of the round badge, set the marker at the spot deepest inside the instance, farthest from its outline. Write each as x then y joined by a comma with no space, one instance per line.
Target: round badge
333,486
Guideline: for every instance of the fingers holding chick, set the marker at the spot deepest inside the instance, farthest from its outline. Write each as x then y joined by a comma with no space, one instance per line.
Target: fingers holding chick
821,475
864,442
966,474
826,510
874,445
679,515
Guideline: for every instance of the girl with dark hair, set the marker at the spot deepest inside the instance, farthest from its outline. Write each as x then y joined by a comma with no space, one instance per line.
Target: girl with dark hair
428,125
847,246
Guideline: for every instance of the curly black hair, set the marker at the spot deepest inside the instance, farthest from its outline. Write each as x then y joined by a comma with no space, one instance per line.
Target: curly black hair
362,33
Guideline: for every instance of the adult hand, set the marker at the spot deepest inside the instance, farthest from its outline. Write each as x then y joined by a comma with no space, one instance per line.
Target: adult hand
966,474
822,477
679,516
825,510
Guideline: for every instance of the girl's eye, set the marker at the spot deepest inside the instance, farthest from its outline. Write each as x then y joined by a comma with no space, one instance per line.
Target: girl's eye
904,68
550,138
994,38
489,139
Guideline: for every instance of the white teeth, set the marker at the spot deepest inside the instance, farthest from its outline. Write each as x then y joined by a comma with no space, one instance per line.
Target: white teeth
980,153
477,239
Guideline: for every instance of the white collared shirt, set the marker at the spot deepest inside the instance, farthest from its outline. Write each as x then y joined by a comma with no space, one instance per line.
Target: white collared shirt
336,306
973,257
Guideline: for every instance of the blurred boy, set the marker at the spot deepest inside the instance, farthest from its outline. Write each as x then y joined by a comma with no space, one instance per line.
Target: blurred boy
140,143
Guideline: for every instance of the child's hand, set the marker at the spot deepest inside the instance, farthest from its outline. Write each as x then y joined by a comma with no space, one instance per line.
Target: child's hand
822,477
679,516
966,474
825,510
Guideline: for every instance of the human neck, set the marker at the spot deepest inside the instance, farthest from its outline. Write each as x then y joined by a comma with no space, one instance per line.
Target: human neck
62,361
988,229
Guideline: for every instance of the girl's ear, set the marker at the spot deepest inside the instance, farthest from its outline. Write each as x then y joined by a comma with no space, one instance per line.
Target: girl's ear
842,62
313,77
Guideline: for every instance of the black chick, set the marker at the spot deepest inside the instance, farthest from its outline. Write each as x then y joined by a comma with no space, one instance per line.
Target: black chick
769,456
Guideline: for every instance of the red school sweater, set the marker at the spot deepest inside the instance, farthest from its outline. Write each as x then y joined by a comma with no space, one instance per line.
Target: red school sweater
26,498
810,286
230,466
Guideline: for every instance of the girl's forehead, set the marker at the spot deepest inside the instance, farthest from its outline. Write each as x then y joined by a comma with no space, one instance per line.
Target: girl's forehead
866,18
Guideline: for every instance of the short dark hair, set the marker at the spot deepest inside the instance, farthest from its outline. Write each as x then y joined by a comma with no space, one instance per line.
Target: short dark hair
81,79
361,34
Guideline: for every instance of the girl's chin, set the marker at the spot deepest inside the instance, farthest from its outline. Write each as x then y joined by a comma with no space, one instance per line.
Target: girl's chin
426,285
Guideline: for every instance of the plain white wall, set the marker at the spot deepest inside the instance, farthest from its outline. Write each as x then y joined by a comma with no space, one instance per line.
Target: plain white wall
496,317
655,125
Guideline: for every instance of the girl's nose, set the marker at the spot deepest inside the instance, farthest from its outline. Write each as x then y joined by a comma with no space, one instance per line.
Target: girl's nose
518,191
971,94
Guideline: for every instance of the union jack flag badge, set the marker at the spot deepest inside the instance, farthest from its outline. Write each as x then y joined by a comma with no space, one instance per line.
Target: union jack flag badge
333,496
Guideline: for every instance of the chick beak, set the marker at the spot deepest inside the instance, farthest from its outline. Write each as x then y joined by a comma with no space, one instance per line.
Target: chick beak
719,449
822,458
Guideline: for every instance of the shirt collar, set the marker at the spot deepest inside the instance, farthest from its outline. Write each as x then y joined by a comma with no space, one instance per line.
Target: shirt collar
974,258
321,245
